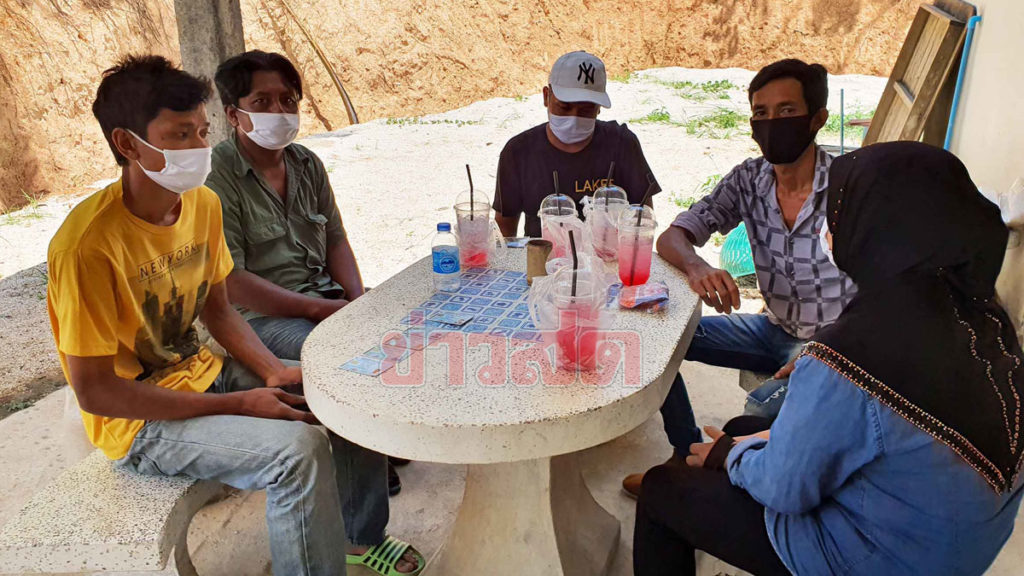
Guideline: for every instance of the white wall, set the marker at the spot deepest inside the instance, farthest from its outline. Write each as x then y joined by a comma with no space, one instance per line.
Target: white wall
989,131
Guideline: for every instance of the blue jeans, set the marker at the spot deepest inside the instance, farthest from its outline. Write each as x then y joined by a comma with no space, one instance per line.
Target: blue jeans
740,341
316,485
283,336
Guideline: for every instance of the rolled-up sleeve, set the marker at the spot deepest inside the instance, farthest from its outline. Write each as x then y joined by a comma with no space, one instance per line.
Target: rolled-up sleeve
718,211
827,430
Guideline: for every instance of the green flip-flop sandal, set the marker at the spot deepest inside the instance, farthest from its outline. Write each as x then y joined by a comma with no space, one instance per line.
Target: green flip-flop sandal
383,557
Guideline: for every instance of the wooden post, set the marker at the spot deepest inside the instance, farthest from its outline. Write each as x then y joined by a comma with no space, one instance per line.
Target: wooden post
209,32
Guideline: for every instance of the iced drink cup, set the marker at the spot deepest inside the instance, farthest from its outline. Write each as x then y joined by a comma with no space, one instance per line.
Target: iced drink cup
636,245
568,308
578,321
577,336
557,217
476,232
603,219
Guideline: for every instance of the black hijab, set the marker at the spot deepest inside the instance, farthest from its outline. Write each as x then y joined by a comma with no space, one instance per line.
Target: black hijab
924,334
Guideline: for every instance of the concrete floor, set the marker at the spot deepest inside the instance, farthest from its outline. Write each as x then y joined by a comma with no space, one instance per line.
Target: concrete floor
229,538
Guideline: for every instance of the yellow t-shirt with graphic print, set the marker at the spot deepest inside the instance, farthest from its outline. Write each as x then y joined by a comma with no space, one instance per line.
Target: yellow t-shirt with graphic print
120,286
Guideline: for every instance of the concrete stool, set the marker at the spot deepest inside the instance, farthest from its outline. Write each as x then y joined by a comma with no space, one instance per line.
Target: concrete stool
95,517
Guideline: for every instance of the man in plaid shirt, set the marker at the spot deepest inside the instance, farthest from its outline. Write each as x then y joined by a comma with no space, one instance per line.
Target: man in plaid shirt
781,199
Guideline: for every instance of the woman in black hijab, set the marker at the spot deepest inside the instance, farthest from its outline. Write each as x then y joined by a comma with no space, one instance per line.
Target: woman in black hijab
899,447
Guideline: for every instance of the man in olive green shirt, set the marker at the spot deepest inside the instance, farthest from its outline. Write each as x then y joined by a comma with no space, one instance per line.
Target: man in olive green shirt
293,263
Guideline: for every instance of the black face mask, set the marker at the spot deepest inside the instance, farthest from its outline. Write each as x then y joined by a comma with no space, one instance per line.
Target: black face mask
783,140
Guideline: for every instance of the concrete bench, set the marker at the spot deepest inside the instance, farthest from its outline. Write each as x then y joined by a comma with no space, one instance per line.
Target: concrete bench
95,517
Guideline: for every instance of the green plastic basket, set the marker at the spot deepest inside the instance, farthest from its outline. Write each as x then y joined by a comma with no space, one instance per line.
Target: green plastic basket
736,258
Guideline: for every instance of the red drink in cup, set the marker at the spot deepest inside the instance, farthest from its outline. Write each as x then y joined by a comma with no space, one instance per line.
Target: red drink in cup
475,239
567,307
636,244
577,337
477,233
475,259
635,260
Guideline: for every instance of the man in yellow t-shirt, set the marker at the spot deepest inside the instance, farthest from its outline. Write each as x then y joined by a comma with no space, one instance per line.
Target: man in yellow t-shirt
131,269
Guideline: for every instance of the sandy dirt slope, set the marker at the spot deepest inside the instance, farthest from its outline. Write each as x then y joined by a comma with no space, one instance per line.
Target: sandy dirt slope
399,58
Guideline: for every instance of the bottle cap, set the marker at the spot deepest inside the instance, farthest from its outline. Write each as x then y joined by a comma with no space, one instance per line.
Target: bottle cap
444,227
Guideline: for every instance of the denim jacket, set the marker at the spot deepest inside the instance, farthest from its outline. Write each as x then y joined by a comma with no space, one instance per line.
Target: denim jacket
850,487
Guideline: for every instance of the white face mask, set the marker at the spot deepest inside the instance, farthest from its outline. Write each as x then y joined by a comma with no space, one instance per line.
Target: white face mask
183,169
571,129
823,239
272,131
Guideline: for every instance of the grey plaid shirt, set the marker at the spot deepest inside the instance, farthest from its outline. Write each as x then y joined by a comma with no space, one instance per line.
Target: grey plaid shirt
803,290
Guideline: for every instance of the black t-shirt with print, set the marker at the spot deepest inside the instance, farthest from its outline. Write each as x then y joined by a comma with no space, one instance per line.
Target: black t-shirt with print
526,164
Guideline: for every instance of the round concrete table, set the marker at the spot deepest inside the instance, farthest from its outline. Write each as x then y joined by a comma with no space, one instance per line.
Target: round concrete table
526,508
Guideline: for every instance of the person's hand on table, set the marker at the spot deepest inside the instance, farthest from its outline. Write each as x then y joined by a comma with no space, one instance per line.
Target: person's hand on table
274,403
715,287
324,308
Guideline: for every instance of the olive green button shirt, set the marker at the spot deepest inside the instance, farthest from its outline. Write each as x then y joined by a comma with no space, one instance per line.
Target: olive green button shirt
283,241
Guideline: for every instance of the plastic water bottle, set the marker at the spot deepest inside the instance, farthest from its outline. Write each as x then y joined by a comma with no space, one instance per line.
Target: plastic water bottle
446,259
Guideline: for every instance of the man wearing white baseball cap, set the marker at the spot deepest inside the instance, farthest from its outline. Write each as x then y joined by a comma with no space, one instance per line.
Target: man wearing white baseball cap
573,142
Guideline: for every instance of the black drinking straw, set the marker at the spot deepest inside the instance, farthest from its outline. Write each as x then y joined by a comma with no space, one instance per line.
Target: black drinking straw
472,206
650,188
575,262
555,176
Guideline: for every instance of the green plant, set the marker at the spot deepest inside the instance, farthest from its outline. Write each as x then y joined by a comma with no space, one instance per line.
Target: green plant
623,77
701,90
707,186
833,124
33,201
722,123
684,202
18,405
659,116
718,87
417,121
699,191
24,215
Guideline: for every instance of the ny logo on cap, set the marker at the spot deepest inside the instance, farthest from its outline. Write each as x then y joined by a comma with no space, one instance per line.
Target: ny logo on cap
586,73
